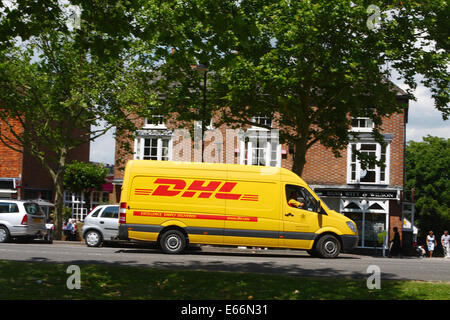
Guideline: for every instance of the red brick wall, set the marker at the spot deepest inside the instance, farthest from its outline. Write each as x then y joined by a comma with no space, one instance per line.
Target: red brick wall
10,160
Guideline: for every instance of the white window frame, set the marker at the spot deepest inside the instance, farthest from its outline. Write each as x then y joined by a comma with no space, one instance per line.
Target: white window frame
363,129
377,168
150,125
255,120
139,144
245,156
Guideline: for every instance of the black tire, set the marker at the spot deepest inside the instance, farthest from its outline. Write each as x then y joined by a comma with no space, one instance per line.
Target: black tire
328,247
312,253
172,241
93,238
4,234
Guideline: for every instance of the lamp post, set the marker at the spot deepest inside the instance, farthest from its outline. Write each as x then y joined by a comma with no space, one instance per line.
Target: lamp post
203,69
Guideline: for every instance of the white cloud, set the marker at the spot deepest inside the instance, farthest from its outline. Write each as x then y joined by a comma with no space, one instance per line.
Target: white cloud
103,148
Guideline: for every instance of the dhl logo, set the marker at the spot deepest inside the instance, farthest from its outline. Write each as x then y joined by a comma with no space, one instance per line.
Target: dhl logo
200,188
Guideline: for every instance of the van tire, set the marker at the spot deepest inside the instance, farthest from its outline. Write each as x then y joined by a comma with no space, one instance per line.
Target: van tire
172,241
328,246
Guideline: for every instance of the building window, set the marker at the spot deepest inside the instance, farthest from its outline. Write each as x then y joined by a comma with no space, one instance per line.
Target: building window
153,148
357,173
371,218
155,122
362,124
262,120
258,149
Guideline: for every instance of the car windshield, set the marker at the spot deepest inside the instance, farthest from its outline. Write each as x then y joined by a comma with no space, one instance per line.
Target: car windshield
33,208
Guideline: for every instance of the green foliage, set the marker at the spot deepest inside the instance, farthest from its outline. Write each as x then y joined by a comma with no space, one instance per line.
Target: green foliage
84,177
427,171
48,281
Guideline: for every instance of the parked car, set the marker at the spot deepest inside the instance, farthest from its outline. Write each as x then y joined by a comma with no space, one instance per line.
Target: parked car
101,224
21,219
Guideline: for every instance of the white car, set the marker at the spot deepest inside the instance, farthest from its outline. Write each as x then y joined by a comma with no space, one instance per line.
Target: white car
21,219
101,224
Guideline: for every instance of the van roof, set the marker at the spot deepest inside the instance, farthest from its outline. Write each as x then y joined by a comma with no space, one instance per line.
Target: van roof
137,164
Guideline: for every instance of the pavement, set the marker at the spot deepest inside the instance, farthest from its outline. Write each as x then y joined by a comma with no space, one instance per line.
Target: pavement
277,261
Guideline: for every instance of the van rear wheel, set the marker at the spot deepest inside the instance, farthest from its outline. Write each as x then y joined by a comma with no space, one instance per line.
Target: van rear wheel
173,241
328,246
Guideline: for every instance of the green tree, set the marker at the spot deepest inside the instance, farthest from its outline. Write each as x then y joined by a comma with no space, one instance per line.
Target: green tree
82,177
59,93
311,64
427,172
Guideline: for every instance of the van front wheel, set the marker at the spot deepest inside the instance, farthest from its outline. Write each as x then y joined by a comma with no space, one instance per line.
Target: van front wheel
173,241
328,246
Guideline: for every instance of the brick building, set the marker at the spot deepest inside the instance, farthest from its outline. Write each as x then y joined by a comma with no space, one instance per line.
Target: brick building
22,177
371,197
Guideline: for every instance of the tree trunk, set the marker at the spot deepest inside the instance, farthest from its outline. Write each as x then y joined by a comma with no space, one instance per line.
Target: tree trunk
59,204
299,156
58,182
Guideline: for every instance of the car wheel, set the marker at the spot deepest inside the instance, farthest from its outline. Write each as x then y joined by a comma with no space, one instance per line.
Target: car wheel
328,246
173,241
93,238
4,234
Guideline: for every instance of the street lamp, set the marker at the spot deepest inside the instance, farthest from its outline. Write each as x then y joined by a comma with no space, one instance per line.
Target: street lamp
203,69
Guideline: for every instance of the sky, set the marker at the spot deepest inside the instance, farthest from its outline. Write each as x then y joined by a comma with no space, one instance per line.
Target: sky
423,120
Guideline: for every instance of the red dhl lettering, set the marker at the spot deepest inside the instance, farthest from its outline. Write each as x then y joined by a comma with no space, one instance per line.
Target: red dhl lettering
200,188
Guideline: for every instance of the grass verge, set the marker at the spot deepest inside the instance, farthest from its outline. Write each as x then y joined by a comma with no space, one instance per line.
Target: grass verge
23,280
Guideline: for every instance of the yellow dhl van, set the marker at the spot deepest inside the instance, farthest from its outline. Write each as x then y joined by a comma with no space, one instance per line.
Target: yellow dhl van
176,203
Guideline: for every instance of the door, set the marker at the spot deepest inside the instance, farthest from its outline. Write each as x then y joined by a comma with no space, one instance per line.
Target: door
300,221
109,222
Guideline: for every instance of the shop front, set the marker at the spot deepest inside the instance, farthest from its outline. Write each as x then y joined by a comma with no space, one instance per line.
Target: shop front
374,212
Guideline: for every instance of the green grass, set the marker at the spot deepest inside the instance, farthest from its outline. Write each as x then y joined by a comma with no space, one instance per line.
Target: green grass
21,280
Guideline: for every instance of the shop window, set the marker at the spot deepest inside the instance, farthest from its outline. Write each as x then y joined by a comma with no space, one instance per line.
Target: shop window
370,218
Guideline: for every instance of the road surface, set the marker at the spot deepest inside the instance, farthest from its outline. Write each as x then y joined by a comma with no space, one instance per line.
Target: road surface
288,262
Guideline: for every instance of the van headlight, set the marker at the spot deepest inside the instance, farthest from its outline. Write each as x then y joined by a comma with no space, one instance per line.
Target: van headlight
352,226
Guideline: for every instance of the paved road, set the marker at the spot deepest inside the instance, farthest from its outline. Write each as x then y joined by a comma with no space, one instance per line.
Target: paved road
232,259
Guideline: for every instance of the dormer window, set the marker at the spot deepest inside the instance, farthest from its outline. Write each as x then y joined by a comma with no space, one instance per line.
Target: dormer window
362,124
263,121
155,122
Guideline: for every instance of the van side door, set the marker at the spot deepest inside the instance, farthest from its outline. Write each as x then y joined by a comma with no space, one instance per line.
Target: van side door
300,221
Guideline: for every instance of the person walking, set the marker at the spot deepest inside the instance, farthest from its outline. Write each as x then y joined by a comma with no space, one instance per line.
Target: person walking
445,241
396,247
431,243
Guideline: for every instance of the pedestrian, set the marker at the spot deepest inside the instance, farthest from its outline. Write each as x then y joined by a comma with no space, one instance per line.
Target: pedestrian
445,241
68,230
431,243
395,247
